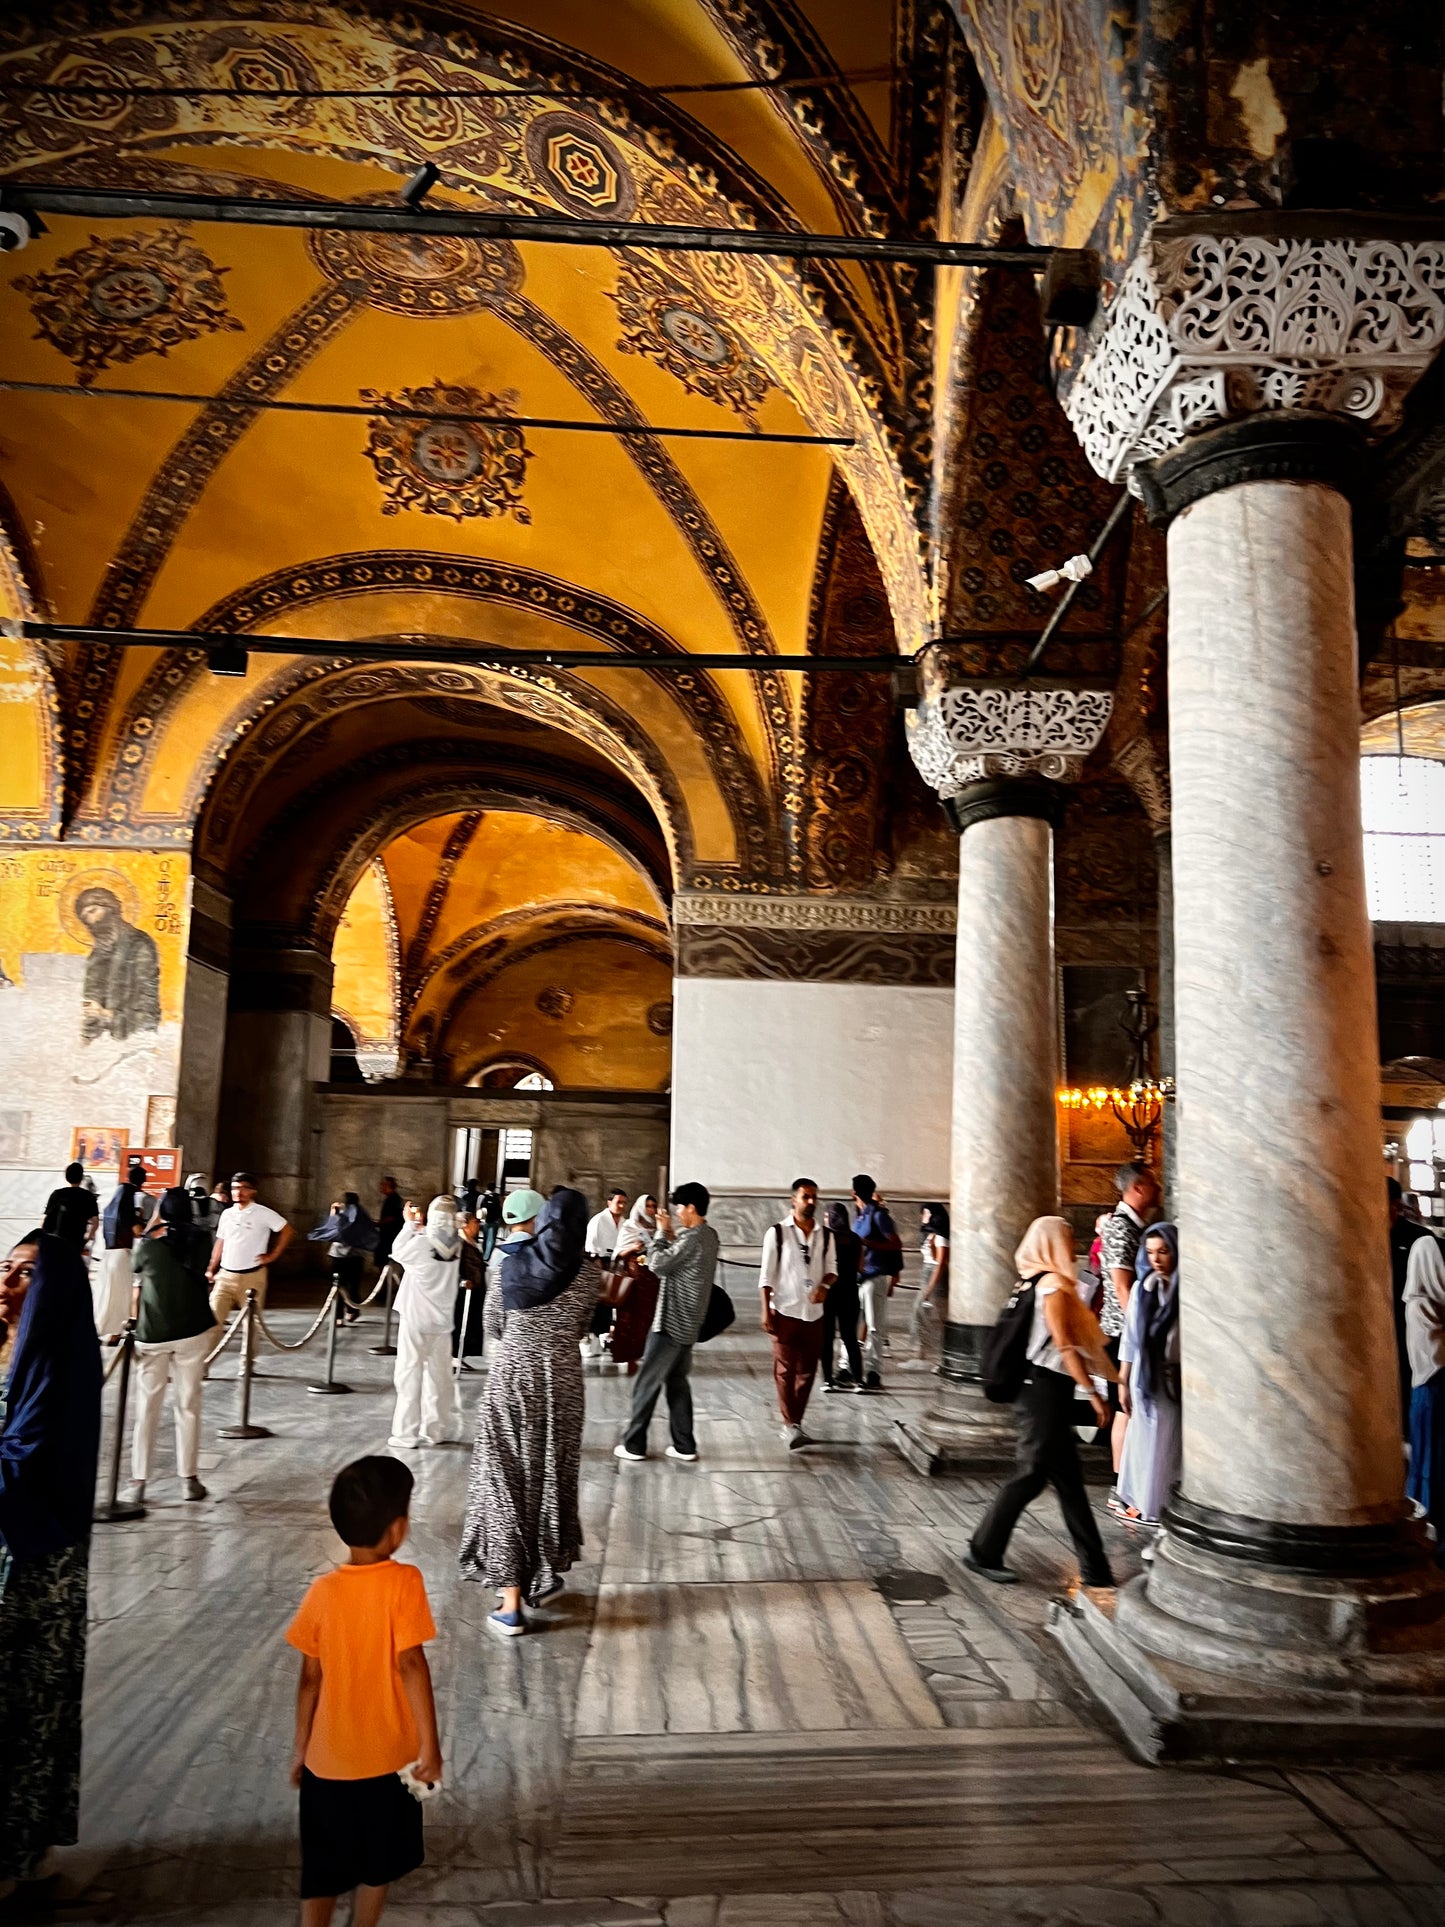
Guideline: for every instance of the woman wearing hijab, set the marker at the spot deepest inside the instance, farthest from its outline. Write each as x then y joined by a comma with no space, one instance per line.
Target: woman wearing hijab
350,1233
1153,1455
49,1441
840,1307
1065,1349
932,1307
636,1285
429,1252
523,1527
1425,1347
175,1328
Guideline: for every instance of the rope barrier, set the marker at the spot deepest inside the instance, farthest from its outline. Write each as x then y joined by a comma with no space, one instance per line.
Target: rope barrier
279,1344
226,1337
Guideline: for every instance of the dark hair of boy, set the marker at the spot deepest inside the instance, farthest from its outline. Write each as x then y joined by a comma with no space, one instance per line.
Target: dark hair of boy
74,1173
697,1195
367,1496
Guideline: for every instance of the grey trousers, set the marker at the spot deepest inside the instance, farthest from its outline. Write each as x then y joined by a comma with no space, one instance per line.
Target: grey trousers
665,1367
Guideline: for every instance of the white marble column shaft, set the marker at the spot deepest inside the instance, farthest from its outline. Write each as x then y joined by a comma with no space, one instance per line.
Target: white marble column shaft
1290,1402
1005,1051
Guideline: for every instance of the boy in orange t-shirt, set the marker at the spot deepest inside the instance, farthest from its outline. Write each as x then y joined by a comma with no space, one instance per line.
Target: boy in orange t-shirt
364,1707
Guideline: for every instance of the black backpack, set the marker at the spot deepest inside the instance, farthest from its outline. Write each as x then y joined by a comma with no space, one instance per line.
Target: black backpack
1005,1350
718,1316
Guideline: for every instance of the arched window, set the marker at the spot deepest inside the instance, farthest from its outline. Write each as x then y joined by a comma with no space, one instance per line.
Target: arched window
1404,812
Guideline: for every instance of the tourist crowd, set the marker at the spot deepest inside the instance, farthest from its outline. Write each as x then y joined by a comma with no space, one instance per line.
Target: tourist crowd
1083,1350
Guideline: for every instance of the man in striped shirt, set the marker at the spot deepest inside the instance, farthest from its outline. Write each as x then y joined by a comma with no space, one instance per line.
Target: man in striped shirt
684,1263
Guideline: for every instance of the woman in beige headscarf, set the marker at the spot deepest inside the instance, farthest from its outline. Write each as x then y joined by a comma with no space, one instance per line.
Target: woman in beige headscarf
1065,1351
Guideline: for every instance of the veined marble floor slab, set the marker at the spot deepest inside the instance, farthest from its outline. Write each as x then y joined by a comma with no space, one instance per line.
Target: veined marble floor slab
771,1697
812,1656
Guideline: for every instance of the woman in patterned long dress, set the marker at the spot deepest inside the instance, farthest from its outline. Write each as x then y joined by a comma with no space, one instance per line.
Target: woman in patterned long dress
49,1443
523,1527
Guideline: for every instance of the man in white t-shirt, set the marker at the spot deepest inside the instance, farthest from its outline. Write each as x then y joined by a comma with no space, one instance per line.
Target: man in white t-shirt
249,1238
600,1244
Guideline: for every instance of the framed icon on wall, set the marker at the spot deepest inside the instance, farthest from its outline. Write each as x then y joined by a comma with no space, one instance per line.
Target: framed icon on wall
99,1147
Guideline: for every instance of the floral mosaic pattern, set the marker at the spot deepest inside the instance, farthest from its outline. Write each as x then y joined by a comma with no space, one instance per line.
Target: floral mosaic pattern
665,320
129,295
452,465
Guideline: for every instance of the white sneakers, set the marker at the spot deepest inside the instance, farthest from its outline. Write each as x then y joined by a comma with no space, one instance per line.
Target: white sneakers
621,1452
683,1458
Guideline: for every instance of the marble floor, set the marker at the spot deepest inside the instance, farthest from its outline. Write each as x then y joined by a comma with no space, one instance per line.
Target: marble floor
771,1695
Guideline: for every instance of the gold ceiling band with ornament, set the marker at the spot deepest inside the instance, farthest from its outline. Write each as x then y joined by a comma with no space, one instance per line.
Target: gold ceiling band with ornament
459,840
620,632
544,946
592,918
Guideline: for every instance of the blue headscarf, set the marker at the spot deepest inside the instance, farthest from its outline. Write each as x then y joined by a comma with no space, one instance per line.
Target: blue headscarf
538,1269
1161,1311
351,1226
50,1439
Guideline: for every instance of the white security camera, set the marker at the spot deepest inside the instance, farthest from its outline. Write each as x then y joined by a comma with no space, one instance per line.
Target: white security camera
17,230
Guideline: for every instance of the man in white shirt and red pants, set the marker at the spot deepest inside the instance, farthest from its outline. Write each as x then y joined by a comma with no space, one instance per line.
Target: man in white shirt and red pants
794,1279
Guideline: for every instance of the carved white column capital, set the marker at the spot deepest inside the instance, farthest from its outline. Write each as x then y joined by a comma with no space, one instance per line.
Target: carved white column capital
1208,328
977,733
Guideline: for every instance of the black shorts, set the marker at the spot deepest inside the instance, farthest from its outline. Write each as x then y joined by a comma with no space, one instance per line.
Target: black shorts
356,1833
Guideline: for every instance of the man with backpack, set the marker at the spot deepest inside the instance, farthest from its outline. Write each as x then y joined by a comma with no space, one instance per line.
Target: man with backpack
796,1273
878,1275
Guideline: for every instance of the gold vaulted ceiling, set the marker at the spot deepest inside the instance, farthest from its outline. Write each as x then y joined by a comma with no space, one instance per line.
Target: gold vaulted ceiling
130,513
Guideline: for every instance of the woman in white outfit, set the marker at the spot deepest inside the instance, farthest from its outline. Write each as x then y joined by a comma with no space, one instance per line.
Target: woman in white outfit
426,1393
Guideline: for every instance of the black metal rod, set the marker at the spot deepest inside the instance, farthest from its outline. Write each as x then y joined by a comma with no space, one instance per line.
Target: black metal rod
472,654
1065,602
109,204
113,1510
386,1349
243,1428
332,1384
241,405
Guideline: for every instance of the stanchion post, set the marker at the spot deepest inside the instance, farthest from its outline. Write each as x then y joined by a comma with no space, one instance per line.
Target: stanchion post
243,1428
112,1510
386,1349
331,1385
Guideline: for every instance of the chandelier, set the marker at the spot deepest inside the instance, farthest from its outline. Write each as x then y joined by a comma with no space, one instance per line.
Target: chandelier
1138,1106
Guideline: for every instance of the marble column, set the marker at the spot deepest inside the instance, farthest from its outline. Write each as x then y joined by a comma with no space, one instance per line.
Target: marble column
1291,1572
999,757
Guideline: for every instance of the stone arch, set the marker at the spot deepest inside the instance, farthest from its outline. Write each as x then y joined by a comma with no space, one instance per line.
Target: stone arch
608,624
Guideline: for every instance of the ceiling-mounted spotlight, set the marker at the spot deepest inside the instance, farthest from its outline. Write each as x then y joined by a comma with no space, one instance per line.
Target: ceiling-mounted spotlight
226,659
18,229
420,185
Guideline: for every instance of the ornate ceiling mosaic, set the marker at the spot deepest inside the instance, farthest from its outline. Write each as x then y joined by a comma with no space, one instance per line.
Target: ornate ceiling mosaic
665,319
452,467
127,295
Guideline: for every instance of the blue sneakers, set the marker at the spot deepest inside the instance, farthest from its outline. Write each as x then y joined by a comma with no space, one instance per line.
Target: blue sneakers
507,1624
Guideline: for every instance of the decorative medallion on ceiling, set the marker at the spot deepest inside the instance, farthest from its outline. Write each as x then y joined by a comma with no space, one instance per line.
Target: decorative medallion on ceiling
664,319
555,1002
447,466
133,294
580,166
419,274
